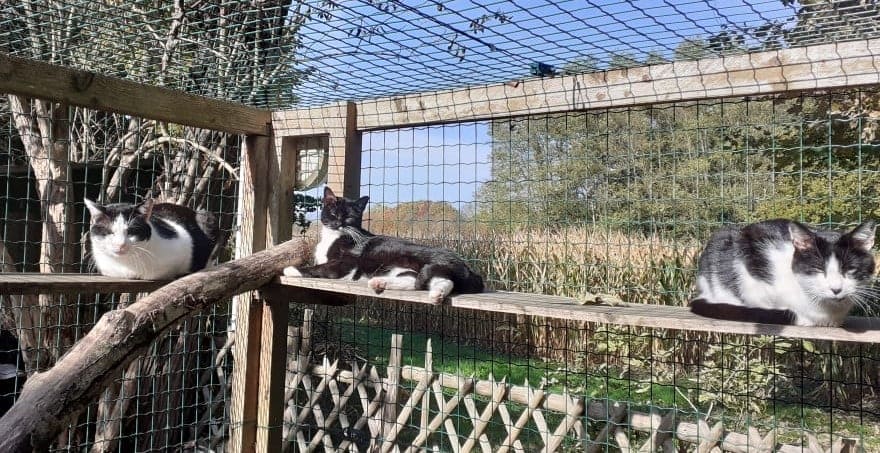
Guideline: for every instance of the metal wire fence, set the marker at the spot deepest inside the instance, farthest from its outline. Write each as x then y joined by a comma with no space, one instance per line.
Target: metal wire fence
280,53
174,396
615,202
465,377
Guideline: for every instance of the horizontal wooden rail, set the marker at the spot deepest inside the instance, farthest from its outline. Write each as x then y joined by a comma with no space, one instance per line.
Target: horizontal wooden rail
856,329
844,64
37,79
37,283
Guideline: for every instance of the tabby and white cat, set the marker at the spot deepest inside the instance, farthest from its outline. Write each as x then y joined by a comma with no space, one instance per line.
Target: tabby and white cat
347,251
150,241
781,271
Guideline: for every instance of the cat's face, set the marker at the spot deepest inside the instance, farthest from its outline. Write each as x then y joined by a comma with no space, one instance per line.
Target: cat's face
833,268
339,212
117,229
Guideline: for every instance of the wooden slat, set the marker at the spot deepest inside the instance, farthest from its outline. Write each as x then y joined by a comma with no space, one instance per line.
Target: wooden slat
32,78
862,330
253,208
37,283
272,373
822,66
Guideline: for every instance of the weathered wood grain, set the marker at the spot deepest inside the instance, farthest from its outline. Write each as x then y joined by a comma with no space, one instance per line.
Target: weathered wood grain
39,283
856,329
253,198
844,64
37,79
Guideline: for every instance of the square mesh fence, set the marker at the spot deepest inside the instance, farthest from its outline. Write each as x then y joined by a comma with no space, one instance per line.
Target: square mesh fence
174,397
615,203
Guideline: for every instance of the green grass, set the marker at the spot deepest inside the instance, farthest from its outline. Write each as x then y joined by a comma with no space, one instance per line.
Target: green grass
641,391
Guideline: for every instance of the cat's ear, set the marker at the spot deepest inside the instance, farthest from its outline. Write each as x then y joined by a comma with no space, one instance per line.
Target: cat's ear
863,235
801,237
361,203
146,208
329,196
94,209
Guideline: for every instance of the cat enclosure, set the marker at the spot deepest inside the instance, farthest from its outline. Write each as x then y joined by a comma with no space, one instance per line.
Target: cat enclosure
577,154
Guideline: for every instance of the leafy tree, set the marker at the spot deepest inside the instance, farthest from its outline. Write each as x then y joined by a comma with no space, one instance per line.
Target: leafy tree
675,168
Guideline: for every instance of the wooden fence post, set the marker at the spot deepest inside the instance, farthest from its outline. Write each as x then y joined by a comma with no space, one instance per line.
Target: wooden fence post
273,333
344,169
252,206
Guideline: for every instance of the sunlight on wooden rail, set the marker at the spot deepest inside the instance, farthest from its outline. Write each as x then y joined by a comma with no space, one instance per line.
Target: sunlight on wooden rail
856,329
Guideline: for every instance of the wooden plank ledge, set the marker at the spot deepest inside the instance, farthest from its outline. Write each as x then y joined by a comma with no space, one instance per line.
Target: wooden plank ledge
855,329
37,283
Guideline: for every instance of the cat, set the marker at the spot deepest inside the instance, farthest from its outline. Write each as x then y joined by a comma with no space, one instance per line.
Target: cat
784,272
347,251
150,241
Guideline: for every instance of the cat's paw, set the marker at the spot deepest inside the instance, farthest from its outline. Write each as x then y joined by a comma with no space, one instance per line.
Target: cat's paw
378,284
438,289
291,271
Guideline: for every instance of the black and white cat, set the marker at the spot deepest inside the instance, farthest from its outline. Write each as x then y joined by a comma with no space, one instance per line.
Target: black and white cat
150,241
347,251
784,272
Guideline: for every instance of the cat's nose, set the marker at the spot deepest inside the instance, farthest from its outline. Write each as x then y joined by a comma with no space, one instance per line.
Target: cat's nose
836,291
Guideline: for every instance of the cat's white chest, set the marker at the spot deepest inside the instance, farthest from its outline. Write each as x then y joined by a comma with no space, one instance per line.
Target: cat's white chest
783,291
328,237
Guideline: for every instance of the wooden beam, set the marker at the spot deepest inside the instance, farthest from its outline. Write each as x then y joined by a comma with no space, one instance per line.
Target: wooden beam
37,79
856,329
844,64
273,371
339,122
254,188
344,170
37,283
280,176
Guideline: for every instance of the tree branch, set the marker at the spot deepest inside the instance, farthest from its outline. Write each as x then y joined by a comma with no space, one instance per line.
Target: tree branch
50,399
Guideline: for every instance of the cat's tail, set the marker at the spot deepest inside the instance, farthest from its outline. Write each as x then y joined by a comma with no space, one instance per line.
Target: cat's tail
730,312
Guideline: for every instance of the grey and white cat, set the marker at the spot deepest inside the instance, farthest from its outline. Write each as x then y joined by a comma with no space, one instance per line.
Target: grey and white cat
781,271
150,241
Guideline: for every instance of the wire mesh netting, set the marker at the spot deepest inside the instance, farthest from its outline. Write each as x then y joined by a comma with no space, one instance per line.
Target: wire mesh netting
52,158
496,382
616,203
276,53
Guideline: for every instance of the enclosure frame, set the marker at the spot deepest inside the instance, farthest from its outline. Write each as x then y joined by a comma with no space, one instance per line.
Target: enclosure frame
268,169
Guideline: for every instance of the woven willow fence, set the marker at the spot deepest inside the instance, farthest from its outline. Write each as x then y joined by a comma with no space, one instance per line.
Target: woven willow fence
410,408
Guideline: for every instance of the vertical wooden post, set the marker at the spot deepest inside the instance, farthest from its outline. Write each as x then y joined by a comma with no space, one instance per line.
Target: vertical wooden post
270,384
275,308
392,387
253,202
344,169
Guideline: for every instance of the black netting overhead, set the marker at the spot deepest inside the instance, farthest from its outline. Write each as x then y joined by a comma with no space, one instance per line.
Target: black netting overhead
282,53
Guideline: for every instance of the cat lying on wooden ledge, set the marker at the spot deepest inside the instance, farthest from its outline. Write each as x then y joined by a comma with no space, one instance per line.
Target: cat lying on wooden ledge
150,241
784,272
347,251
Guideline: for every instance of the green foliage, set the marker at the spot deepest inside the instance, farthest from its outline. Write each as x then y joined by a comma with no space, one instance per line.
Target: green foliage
681,169
303,205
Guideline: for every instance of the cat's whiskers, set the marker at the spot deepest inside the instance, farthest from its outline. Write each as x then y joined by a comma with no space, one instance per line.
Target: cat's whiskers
862,303
360,239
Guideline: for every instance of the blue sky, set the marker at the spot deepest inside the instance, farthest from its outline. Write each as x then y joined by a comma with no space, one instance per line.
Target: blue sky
363,52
